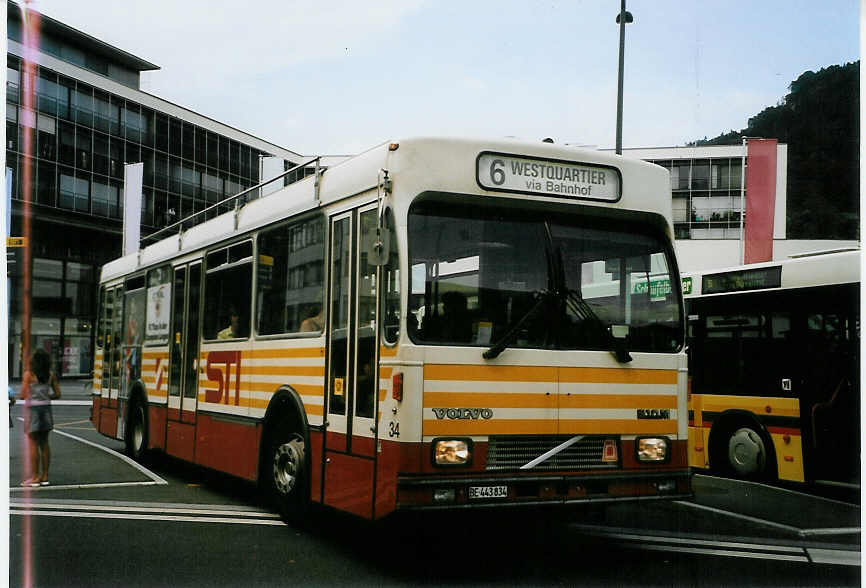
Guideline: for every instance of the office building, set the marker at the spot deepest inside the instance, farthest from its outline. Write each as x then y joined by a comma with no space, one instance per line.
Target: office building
87,118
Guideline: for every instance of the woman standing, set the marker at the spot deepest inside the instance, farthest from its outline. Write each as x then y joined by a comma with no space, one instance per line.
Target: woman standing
38,389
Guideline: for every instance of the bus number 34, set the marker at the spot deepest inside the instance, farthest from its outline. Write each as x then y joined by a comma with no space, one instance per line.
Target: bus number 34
393,429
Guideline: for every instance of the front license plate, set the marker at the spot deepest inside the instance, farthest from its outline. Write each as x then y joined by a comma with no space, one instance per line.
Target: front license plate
476,492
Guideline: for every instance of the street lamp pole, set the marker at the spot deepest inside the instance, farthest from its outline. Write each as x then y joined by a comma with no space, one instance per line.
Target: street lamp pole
624,17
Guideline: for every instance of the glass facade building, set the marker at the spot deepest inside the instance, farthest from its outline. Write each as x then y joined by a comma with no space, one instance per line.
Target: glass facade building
88,119
707,196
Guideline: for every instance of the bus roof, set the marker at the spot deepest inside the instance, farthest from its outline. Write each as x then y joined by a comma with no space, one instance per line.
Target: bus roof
415,164
815,269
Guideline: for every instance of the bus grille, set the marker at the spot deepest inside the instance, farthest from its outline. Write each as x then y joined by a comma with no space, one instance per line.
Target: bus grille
509,452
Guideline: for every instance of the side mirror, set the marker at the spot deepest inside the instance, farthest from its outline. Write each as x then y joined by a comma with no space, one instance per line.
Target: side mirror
379,247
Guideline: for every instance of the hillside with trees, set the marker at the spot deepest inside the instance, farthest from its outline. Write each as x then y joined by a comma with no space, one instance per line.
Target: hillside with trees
819,121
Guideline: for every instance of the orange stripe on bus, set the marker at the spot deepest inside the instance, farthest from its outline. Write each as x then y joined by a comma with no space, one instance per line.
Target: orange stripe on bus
617,376
477,373
308,389
482,373
492,400
487,400
285,352
312,409
548,427
387,351
284,370
620,426
617,401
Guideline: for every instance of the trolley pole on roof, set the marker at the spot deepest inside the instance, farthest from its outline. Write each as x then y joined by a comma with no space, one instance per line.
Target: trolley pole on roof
624,17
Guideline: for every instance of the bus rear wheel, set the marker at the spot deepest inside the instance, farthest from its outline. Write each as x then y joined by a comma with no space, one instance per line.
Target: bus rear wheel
747,453
136,438
287,472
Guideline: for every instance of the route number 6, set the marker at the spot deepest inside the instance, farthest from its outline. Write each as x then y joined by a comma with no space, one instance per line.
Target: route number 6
497,172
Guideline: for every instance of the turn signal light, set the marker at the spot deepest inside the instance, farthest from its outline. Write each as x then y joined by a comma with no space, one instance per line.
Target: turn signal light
397,387
609,453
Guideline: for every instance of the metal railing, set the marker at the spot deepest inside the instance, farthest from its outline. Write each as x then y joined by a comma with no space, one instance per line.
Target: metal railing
179,225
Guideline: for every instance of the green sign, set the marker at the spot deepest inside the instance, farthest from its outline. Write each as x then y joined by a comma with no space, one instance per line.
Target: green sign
687,286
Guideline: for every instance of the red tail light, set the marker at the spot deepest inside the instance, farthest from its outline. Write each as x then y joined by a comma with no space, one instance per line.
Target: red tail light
397,387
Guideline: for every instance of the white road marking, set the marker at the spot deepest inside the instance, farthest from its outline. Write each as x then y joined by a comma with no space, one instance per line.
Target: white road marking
743,517
155,479
119,507
80,486
798,530
125,458
726,548
148,517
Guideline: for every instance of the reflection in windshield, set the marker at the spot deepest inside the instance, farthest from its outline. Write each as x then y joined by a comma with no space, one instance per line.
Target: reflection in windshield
556,281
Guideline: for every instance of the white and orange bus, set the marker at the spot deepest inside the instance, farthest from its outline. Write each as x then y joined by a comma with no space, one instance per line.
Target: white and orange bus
774,360
434,323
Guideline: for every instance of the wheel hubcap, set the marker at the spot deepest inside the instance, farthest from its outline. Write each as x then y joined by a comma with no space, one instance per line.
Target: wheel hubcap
138,432
746,452
288,460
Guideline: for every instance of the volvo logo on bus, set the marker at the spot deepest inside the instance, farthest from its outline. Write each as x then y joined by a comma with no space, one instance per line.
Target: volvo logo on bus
463,413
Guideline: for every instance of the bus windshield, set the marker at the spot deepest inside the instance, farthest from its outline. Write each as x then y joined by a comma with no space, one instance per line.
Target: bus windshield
527,279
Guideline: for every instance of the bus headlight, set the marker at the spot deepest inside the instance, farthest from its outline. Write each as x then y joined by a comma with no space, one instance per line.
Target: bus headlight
452,452
652,449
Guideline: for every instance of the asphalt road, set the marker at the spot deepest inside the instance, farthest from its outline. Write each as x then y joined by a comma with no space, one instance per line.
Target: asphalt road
107,521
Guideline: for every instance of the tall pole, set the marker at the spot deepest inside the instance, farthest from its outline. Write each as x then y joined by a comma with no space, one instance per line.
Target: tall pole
622,18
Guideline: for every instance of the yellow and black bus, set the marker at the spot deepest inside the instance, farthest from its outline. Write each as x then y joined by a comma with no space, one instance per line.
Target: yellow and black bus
773,365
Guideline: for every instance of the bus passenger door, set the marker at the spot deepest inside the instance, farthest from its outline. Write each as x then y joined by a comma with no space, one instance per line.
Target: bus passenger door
183,361
110,381
350,434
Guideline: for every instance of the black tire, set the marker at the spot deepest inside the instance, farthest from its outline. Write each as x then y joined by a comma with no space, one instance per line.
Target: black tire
136,431
287,471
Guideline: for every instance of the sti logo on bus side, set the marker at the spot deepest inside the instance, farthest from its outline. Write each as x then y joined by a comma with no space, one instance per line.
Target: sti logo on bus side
463,413
223,377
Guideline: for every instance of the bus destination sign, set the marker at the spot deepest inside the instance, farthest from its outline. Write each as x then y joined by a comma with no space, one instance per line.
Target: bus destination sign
511,173
743,280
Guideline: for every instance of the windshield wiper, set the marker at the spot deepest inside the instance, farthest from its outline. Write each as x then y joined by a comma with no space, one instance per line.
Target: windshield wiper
584,311
503,342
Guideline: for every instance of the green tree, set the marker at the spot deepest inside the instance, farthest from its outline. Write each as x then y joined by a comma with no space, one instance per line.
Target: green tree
819,121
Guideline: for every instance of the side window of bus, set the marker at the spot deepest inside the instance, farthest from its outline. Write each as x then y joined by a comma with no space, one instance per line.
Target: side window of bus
391,300
290,273
228,288
100,322
158,306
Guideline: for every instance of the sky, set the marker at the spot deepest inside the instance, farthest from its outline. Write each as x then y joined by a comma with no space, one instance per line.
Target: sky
328,78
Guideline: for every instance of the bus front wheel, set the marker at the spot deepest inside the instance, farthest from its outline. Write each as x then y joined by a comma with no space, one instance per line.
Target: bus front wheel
747,453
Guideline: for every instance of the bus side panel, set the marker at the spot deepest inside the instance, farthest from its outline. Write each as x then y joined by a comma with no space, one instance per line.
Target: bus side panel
349,481
230,446
789,455
108,421
316,465
156,426
387,465
180,440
